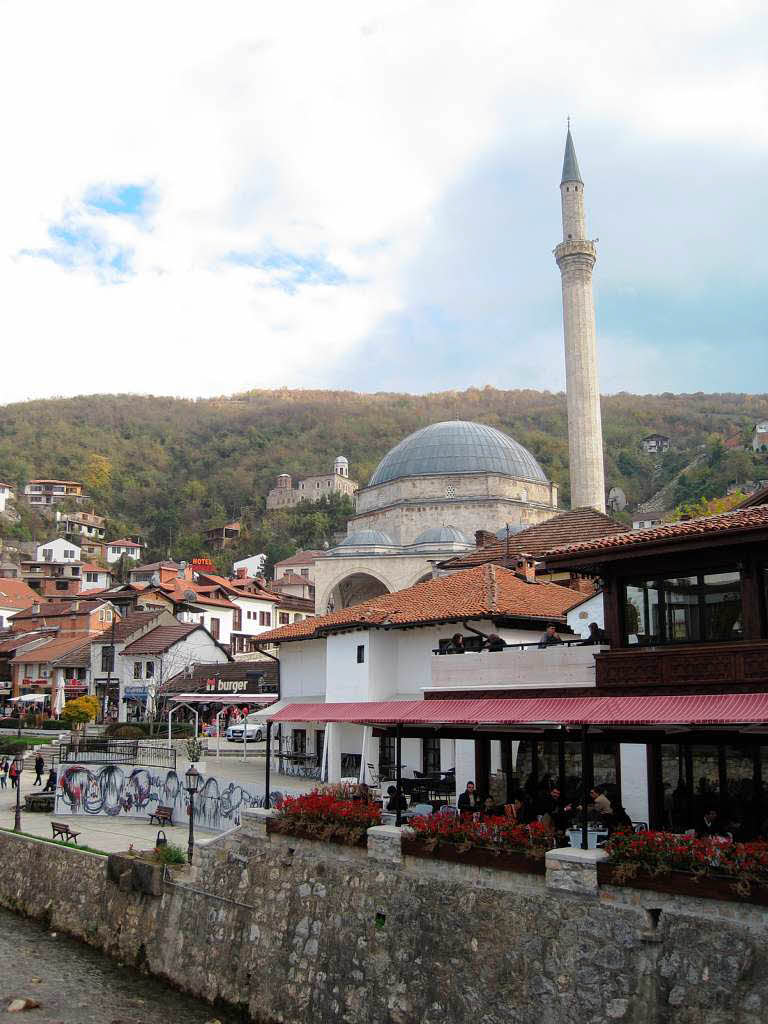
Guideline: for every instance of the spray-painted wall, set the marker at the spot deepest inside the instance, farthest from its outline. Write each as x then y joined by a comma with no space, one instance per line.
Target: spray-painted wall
133,791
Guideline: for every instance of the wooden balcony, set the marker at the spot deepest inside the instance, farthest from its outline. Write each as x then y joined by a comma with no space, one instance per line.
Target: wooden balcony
743,664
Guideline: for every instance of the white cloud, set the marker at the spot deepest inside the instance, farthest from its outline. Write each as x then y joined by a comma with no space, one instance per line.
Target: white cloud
330,131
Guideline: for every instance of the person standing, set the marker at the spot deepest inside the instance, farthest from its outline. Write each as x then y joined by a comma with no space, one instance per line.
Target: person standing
4,773
39,769
14,774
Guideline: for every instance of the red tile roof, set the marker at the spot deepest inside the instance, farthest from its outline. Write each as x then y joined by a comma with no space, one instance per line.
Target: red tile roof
237,587
578,524
56,609
758,497
17,640
130,624
157,641
302,558
54,650
487,591
292,579
16,594
124,544
739,521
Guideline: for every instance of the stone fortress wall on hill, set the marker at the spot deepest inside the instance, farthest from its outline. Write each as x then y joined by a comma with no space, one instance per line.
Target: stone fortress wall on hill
301,930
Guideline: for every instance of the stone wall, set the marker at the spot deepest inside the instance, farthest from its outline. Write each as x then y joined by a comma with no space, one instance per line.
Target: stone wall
301,930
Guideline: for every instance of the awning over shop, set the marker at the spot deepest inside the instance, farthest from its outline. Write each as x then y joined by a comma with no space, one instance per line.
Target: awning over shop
260,699
726,709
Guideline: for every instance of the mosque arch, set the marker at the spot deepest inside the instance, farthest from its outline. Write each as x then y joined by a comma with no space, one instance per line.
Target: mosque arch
352,587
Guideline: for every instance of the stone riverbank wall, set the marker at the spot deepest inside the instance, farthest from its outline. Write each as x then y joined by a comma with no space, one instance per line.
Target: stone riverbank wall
297,930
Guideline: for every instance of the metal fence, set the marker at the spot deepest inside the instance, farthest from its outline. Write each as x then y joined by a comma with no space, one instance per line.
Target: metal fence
104,751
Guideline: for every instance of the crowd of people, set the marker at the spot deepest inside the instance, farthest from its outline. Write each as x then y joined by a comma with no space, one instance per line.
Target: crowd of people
493,642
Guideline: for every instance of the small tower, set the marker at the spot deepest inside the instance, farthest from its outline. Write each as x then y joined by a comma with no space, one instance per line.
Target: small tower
576,257
341,466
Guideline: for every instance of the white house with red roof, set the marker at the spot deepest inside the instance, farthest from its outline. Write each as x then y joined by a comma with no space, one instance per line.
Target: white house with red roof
392,647
115,549
6,494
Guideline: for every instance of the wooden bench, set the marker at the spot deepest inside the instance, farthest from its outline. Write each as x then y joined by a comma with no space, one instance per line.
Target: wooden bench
64,832
162,815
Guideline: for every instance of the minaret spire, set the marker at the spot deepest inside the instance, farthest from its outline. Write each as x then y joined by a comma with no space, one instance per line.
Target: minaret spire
576,256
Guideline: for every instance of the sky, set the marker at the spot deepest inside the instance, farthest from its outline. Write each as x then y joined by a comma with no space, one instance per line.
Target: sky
197,200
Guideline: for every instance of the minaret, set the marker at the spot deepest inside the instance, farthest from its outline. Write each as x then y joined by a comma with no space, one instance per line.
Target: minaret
576,257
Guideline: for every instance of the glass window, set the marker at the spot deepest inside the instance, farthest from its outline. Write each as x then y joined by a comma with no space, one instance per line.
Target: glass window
107,659
430,755
699,608
360,654
150,669
137,670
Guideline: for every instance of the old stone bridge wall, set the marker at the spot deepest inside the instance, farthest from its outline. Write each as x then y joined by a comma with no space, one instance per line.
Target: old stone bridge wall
300,931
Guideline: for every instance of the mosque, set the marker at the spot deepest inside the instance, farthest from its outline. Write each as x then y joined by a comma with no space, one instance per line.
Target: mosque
434,490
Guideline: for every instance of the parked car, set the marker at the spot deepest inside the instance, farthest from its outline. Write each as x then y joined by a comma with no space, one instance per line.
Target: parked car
253,734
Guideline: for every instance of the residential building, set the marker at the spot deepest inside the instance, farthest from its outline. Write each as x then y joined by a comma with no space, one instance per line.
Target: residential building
760,436
165,572
115,549
383,650
58,550
146,665
6,494
94,577
313,488
220,537
300,564
44,493
254,608
52,579
251,566
292,585
15,596
57,661
80,525
77,616
655,443
107,668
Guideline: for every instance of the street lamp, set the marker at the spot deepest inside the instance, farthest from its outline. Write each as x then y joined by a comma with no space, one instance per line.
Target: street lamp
194,778
19,763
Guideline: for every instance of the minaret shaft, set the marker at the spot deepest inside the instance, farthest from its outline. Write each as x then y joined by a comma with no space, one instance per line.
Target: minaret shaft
576,257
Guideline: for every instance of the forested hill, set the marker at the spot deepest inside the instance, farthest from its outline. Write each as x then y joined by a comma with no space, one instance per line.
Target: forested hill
171,467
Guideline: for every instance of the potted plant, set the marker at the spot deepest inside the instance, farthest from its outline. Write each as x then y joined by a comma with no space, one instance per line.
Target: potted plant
195,754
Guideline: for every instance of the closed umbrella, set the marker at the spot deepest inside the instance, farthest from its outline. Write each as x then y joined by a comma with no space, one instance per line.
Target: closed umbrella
58,707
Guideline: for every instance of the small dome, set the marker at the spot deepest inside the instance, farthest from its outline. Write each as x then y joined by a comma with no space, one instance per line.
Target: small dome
442,535
341,461
367,539
455,447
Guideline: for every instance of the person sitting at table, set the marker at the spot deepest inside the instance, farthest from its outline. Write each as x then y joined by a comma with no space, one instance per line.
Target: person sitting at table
710,825
469,801
600,805
555,812
550,637
392,802
596,636
456,645
517,810
618,819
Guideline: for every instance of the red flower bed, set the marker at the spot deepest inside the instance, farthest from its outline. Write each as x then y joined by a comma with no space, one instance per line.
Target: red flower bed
659,853
322,815
499,835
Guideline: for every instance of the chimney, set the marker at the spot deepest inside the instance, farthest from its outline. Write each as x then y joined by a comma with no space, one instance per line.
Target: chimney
241,574
484,539
526,568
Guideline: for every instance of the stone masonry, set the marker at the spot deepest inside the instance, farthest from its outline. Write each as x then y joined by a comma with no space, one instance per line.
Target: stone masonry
296,930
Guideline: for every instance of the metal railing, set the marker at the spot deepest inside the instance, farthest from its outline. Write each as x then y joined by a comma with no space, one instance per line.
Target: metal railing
576,642
104,751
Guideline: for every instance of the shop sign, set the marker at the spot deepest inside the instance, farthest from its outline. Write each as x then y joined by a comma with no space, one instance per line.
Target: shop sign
226,686
135,692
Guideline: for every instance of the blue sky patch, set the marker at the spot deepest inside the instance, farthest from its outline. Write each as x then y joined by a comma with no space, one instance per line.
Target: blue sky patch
289,270
78,245
119,200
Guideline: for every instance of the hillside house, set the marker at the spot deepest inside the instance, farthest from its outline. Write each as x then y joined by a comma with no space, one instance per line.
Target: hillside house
80,525
115,549
6,494
59,551
220,537
45,493
760,436
655,443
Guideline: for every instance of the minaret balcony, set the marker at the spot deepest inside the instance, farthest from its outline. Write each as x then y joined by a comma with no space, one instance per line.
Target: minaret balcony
576,247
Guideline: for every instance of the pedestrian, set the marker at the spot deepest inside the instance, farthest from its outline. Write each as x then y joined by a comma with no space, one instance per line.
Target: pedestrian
4,773
14,774
39,769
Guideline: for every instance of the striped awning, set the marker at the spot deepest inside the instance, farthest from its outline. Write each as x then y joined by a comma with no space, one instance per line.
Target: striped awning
683,710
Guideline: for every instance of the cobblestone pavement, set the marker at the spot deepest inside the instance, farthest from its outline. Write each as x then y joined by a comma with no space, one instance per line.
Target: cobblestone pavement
76,985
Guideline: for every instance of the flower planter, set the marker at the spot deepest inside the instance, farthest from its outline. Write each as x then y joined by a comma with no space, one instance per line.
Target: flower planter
477,856
287,827
681,883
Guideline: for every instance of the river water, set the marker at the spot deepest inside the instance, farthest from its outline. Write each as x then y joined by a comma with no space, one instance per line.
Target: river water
74,984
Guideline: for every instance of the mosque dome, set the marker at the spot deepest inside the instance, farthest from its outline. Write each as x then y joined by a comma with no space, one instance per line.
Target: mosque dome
455,447
367,539
442,535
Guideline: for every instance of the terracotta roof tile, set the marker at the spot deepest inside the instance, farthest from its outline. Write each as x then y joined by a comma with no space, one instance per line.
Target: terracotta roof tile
302,558
16,594
740,520
487,591
54,650
157,641
579,524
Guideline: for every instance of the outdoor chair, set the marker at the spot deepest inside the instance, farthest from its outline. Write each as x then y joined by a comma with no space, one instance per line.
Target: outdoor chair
639,826
450,809
373,776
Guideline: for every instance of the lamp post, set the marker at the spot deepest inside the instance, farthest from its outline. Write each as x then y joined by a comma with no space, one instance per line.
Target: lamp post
19,762
194,778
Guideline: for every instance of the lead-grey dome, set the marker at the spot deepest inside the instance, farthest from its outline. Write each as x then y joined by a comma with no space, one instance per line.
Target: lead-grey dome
442,535
455,447
368,539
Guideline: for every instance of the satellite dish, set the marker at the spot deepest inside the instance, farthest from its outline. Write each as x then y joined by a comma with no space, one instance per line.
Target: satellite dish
190,595
155,581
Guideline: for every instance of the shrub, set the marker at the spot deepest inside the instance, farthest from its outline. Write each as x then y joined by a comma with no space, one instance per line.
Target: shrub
81,710
194,749
10,723
321,815
55,724
127,732
170,854
9,747
491,833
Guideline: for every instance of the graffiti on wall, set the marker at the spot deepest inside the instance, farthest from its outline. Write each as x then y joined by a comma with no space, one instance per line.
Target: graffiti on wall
132,791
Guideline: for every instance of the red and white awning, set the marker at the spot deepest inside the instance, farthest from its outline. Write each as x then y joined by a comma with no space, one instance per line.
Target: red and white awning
684,709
